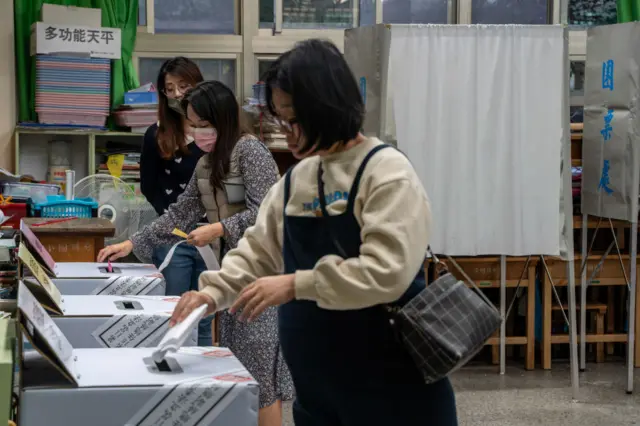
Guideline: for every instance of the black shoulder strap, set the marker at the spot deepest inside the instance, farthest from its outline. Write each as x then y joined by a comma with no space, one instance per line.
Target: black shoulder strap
287,187
356,181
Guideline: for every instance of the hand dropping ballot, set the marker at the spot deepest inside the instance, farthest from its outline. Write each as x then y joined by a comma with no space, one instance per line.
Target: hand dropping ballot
178,334
88,278
206,252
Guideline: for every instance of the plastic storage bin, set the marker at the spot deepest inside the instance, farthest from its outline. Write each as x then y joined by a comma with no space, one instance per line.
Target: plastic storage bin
20,191
59,207
136,117
73,90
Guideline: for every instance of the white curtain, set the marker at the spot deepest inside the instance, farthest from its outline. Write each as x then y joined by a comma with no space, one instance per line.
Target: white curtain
479,111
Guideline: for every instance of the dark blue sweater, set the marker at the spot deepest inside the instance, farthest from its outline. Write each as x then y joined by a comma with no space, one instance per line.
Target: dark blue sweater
162,181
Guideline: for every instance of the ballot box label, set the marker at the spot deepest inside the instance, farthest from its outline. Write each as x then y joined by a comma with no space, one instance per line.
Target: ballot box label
41,321
119,286
41,276
132,331
188,403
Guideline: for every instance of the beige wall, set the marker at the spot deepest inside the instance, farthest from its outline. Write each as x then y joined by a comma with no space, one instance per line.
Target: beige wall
8,110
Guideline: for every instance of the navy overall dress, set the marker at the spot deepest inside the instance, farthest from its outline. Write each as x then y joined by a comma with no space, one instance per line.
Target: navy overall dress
348,367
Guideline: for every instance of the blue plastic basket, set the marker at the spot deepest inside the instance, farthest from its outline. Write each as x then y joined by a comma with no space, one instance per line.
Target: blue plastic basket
59,207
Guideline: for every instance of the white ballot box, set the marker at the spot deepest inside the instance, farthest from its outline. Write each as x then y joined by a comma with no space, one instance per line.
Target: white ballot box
95,279
81,278
101,321
165,386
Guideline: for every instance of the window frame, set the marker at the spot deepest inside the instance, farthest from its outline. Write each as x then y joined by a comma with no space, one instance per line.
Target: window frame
194,55
149,28
259,58
252,43
465,11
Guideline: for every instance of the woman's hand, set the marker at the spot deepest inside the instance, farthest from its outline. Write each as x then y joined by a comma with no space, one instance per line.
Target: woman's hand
206,234
189,302
263,293
115,251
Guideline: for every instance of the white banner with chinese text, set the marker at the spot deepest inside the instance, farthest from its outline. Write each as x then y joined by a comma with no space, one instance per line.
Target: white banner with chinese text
69,39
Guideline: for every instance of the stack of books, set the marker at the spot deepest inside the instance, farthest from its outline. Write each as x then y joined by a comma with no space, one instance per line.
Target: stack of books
130,168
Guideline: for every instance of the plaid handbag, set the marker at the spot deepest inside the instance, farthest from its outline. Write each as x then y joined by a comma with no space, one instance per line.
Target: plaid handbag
445,325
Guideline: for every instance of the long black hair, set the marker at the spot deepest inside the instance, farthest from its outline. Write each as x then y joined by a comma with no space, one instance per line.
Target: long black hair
215,103
170,133
326,99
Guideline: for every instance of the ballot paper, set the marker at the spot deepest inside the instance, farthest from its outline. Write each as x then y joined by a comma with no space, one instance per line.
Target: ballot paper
4,218
178,334
206,252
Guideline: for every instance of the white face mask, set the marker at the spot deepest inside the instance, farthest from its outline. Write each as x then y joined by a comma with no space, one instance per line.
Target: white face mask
205,138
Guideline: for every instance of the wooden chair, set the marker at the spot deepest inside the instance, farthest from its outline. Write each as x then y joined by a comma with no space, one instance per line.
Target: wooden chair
597,313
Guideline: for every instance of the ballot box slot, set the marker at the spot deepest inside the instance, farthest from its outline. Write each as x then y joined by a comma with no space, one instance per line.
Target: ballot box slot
128,305
105,270
168,365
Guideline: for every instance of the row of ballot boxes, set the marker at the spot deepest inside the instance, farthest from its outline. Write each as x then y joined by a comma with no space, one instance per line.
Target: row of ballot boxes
124,314
169,385
94,347
80,278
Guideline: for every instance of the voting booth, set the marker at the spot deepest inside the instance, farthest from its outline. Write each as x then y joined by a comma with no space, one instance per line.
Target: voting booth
81,278
101,321
61,385
481,111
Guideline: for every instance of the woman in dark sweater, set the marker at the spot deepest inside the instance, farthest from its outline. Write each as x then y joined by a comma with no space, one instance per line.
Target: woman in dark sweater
169,156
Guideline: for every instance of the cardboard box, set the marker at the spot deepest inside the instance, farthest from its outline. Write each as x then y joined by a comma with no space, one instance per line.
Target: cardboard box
101,321
74,40
71,15
77,278
61,385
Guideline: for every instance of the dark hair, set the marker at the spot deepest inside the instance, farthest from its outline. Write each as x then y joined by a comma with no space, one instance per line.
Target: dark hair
170,133
326,99
214,102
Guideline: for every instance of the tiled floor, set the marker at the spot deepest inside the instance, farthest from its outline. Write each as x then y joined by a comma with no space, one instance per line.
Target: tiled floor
521,398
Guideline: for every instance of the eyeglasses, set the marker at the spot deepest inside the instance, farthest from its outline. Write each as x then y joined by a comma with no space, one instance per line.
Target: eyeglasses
286,125
181,89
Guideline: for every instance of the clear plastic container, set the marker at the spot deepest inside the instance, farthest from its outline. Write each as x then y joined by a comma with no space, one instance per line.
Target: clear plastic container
21,191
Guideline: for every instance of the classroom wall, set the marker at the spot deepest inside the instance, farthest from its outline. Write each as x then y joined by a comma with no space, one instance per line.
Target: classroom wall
8,105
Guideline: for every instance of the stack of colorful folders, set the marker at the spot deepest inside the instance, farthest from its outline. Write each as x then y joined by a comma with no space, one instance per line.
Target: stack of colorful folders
72,91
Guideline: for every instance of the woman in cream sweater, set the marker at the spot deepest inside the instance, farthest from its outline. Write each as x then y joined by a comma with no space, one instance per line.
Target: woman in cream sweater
349,226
